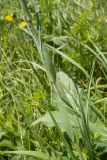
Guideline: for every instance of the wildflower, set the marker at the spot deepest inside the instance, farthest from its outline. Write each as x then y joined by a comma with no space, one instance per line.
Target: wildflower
9,18
23,24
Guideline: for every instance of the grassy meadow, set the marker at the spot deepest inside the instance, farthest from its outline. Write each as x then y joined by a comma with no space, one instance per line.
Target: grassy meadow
53,80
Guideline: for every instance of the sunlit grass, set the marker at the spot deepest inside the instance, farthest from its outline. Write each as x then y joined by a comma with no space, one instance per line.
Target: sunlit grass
53,80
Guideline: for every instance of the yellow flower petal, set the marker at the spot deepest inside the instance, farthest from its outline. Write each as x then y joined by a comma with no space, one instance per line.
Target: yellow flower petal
9,18
23,24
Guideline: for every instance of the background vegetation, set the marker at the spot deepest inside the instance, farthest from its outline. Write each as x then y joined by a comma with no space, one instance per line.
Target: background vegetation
53,80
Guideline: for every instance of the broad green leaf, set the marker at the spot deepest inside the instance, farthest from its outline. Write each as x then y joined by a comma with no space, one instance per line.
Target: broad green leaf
36,154
69,59
47,120
48,64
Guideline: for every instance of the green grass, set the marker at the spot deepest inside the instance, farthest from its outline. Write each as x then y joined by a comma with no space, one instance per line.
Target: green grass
53,78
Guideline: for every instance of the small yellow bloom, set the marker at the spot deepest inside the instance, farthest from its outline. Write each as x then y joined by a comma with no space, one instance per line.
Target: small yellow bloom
23,24
9,18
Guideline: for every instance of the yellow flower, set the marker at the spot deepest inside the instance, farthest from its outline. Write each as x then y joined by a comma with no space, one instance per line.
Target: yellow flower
9,18
23,24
